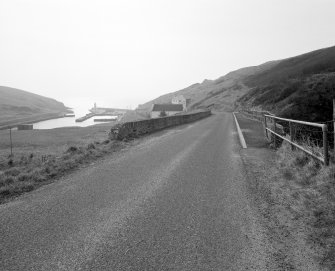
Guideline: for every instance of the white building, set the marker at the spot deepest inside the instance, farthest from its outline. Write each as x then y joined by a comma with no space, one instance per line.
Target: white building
180,100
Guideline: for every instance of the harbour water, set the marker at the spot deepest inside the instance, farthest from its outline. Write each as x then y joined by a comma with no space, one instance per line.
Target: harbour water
70,121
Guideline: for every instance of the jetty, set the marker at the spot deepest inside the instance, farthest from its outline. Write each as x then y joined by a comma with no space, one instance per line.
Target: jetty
105,120
103,111
86,117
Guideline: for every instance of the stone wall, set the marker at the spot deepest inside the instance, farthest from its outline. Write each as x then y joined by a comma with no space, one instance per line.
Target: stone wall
137,128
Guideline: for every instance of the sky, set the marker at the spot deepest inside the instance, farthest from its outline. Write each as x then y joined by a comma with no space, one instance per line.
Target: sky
121,53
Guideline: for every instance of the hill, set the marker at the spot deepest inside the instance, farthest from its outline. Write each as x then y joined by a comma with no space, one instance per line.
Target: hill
300,87
219,94
18,104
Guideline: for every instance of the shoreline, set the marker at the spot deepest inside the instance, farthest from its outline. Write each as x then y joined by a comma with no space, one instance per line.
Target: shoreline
50,116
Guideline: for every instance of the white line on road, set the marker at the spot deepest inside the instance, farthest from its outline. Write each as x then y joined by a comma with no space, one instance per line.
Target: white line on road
240,134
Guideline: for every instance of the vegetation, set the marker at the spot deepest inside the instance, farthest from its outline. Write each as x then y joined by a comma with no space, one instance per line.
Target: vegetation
162,114
41,156
317,62
309,98
19,104
309,192
301,87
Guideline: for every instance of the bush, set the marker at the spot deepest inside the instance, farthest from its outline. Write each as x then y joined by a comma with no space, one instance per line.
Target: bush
72,149
12,172
90,146
10,162
23,177
6,180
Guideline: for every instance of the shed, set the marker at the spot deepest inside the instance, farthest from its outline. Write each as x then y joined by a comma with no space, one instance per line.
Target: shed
25,127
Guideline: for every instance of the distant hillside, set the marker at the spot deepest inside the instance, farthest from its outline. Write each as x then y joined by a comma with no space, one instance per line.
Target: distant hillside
217,94
316,62
16,104
300,87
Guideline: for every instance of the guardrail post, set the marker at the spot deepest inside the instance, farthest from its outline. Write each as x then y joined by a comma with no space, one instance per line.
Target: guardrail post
291,135
275,130
265,125
325,145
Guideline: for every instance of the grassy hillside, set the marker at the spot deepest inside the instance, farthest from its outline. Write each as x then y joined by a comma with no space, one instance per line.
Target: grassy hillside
18,104
300,87
305,98
219,94
319,61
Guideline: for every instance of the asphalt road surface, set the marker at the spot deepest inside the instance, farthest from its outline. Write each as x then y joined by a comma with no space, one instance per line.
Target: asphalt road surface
177,200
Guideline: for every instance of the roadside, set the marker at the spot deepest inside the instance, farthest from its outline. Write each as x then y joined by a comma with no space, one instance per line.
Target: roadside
179,200
287,234
42,156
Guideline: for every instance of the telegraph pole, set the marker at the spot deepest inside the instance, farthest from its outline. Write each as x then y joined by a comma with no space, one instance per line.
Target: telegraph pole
11,142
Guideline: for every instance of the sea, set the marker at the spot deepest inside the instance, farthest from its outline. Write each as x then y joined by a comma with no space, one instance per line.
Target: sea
80,109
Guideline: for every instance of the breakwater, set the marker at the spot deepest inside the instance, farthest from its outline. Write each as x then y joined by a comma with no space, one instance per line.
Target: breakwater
104,120
91,115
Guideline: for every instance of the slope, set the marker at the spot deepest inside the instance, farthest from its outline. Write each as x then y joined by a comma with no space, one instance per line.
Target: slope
300,87
16,104
218,94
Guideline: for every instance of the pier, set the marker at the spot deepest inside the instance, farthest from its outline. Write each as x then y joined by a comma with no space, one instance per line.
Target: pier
102,111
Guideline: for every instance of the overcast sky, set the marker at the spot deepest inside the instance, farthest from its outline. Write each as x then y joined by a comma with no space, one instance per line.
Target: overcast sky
126,52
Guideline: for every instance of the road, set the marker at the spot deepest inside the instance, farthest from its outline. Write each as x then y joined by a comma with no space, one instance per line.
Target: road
177,200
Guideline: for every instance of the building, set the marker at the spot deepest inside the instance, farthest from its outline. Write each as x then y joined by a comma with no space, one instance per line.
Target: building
160,110
25,127
180,100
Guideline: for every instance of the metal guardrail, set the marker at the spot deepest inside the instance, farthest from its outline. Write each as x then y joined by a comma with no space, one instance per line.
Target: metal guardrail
324,158
258,115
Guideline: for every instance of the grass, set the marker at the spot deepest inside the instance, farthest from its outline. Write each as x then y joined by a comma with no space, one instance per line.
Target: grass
310,191
18,104
41,156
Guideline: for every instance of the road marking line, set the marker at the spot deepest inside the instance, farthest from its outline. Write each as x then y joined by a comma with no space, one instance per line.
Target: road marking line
240,134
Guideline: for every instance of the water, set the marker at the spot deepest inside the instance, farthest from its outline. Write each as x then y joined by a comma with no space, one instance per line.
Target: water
70,121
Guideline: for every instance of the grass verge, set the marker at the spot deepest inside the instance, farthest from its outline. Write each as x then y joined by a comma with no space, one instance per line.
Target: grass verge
36,162
309,189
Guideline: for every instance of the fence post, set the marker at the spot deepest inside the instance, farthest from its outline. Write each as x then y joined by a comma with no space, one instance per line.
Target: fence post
265,125
11,142
325,145
291,135
275,130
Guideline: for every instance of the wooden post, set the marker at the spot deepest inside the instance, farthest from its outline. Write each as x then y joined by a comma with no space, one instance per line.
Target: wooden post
274,136
11,142
265,125
325,144
291,135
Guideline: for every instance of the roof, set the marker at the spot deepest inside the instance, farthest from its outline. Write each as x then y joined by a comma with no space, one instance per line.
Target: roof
167,107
